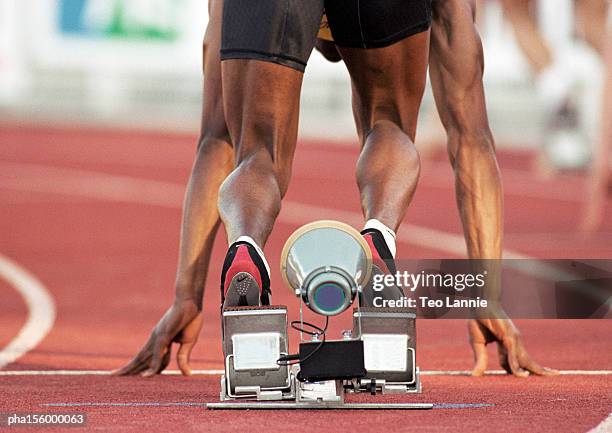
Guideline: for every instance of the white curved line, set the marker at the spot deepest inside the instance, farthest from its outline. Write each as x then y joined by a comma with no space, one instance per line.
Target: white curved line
604,427
41,310
128,189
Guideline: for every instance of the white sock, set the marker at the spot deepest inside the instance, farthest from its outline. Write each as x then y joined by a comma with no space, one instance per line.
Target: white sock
251,242
388,234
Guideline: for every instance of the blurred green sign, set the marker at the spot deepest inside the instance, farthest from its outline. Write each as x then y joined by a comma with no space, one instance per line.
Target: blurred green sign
124,19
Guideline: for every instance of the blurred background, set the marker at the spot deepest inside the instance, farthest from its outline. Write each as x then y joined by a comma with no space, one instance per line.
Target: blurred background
137,63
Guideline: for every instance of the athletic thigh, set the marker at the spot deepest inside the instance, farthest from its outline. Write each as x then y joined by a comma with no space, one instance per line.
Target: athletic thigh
261,102
388,82
264,49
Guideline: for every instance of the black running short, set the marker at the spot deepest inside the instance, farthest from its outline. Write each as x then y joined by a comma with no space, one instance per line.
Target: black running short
285,31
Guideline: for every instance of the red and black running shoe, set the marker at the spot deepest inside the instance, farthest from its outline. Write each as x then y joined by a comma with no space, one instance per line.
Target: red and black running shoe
381,254
244,280
382,263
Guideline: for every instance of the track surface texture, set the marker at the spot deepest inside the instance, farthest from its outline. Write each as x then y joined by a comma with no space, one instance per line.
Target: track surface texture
94,216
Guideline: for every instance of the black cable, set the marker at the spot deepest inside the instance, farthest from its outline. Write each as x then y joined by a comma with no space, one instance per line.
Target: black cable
318,331
286,360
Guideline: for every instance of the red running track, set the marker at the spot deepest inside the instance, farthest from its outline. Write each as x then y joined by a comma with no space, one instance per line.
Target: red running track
95,215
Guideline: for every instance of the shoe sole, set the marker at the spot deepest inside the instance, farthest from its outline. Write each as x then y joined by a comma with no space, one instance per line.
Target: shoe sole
243,291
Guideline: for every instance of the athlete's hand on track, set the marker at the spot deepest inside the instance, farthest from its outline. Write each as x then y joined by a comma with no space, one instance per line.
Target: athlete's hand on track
512,354
180,324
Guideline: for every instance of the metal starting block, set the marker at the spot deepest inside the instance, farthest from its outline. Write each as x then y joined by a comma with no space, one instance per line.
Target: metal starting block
253,340
389,338
325,264
255,337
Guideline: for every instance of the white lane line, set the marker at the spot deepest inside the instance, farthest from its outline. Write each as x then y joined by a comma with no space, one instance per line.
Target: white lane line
200,404
604,427
504,373
96,372
126,189
90,184
129,404
41,310
220,372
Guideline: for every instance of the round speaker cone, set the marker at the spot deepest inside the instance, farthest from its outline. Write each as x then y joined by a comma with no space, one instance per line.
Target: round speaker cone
329,297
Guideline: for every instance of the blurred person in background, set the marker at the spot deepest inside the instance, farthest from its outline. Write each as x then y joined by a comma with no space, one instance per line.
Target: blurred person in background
456,62
565,147
599,183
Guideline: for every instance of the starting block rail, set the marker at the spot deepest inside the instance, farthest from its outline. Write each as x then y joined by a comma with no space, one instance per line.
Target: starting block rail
256,405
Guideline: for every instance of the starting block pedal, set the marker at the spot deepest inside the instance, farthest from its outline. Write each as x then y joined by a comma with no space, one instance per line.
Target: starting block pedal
253,340
389,338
